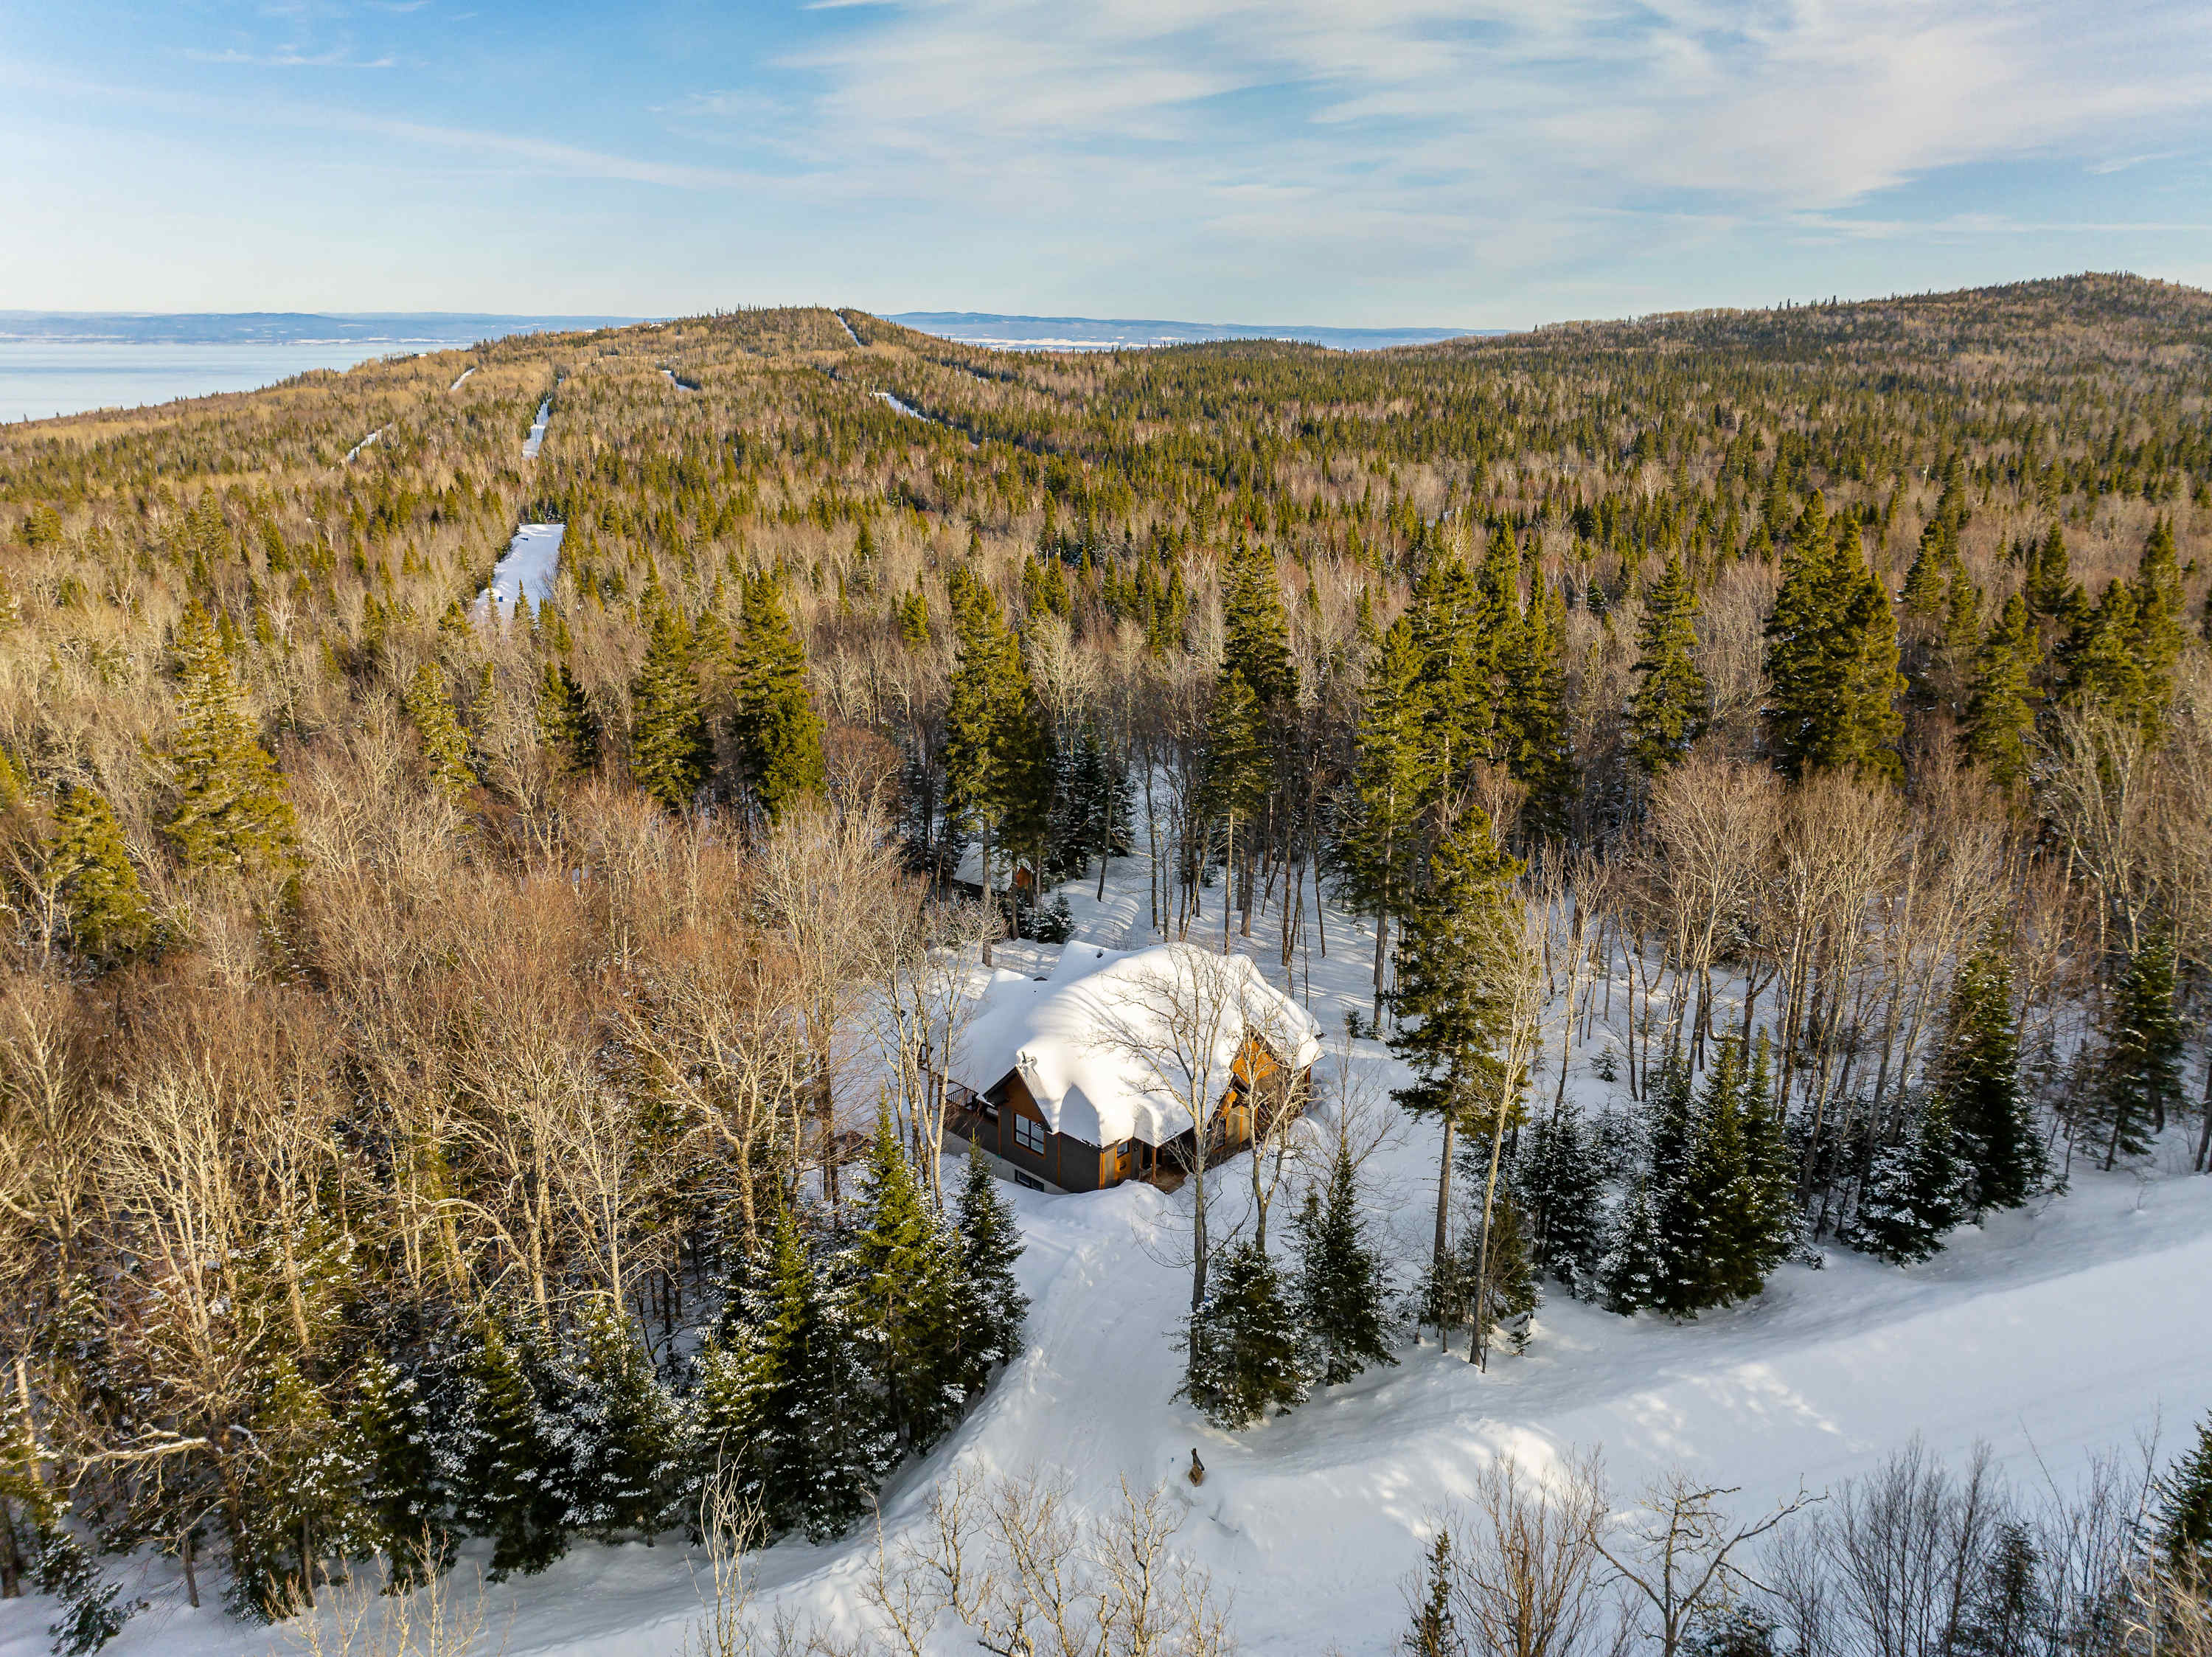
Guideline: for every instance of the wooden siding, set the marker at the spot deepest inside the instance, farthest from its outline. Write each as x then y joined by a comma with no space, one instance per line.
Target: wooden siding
1077,1165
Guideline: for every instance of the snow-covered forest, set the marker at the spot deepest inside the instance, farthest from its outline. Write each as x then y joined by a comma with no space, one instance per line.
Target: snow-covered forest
1734,792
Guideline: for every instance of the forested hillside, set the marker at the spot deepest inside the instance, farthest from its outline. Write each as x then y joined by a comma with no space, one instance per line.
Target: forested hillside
470,1071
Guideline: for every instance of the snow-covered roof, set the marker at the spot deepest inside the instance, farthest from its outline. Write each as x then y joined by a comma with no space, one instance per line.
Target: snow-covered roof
1081,1038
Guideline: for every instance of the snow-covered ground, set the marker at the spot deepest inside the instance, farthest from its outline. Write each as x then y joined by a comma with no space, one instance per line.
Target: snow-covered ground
363,444
535,441
527,567
456,386
847,326
2052,1333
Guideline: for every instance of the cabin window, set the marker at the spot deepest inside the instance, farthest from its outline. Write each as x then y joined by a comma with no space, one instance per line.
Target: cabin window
1030,1134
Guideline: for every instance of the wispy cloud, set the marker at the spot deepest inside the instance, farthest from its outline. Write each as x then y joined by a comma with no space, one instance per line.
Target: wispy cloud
288,57
1394,123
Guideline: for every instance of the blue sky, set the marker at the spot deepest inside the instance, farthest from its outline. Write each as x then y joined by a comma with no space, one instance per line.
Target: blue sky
1496,163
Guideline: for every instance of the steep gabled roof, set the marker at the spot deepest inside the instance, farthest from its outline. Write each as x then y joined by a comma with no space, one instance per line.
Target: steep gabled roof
1074,1037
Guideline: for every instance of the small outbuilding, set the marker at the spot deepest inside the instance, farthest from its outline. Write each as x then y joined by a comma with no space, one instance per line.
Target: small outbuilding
1089,1076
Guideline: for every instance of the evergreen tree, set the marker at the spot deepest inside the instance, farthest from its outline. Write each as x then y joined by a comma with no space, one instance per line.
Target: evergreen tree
1531,725
1499,1292
1911,1197
2140,1071
2181,1520
2006,1609
1559,1178
103,907
2000,710
1633,1274
1256,633
301,1504
2051,592
1378,844
623,1438
1460,960
88,1597
669,751
2160,623
1976,1077
735,1383
391,1428
1340,1279
1242,1344
1457,666
566,723
2099,666
1725,1197
445,745
906,1301
1672,704
501,1461
990,1243
228,809
1832,662
1236,771
822,1446
992,746
1435,1633
776,731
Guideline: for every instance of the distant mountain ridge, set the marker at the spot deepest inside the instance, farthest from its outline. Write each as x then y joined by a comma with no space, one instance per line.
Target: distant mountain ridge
1105,333
284,327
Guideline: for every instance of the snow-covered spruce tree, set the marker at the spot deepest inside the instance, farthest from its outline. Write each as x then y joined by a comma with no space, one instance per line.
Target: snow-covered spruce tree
1912,1196
1497,1280
905,1308
991,1305
92,1610
2181,1517
301,1504
1341,1285
58,1564
1720,1171
1633,1274
1243,1346
821,1443
1977,1076
502,1461
626,1446
733,1378
2140,1067
390,1424
1561,1182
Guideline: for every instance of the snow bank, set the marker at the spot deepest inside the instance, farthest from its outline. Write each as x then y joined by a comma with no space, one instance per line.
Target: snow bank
363,444
456,386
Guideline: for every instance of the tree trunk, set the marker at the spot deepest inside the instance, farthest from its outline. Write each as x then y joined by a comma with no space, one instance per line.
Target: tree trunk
1443,1230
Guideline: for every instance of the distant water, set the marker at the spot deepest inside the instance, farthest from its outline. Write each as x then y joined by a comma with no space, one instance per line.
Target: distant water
40,378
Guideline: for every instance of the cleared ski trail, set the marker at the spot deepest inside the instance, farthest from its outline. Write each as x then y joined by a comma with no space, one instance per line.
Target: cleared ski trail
535,441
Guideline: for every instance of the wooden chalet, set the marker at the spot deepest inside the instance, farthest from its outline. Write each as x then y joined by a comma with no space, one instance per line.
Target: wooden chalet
1045,1078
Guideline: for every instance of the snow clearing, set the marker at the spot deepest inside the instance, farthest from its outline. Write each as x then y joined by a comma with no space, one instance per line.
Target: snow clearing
2073,1325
